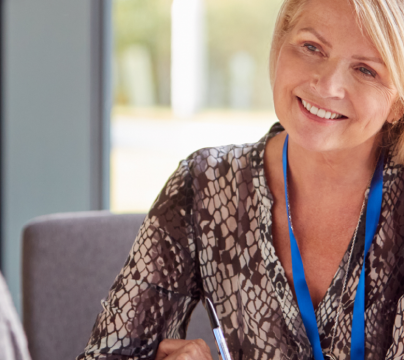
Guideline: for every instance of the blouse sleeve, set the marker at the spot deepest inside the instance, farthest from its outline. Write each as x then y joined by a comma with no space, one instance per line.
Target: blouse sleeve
396,350
155,293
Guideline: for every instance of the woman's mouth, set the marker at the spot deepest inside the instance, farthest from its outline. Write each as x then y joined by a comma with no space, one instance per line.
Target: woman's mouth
321,113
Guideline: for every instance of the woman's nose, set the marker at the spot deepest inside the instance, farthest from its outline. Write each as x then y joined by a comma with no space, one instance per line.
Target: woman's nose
329,80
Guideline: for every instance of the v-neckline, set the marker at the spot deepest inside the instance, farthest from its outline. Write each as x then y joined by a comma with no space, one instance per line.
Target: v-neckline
327,308
332,296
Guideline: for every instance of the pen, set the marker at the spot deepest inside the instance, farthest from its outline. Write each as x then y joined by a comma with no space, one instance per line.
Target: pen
217,331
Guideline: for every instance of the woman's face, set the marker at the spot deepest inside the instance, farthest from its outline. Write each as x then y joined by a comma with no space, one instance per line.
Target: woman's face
326,61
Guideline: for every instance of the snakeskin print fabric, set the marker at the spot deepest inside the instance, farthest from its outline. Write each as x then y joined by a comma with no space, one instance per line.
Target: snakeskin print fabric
208,234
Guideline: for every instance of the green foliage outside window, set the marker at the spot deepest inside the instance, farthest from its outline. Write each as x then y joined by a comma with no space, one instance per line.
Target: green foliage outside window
232,26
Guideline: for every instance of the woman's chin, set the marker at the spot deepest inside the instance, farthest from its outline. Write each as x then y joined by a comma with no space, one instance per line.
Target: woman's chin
315,141
315,135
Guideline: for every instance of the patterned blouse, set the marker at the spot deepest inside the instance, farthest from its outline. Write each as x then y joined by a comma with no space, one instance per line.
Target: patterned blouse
208,234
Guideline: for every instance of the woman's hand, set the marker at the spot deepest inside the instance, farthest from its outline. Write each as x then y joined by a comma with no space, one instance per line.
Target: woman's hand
171,349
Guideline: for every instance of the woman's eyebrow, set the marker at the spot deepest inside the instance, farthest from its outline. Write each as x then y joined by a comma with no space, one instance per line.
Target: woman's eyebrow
320,37
365,58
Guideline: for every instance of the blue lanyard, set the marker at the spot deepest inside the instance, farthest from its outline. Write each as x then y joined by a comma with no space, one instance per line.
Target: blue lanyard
373,209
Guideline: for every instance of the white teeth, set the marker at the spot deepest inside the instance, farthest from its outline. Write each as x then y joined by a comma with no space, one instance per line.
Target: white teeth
324,114
306,105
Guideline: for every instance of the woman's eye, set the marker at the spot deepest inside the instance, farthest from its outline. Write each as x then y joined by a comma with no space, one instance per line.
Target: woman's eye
311,47
366,71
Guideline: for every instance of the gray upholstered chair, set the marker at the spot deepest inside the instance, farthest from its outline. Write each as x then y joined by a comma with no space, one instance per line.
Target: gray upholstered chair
69,263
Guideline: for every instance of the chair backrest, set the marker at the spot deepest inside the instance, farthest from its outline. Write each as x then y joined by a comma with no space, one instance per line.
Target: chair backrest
69,263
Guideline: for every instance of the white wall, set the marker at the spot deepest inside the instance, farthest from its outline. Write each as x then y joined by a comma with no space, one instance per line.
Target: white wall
54,105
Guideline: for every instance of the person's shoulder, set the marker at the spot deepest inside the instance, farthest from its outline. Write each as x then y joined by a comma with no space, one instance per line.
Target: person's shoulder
232,150
219,160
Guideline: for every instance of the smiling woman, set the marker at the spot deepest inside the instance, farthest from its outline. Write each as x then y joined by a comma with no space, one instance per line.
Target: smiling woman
330,63
297,239
359,51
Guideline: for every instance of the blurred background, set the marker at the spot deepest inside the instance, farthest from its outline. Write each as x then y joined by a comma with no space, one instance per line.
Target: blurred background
102,98
186,75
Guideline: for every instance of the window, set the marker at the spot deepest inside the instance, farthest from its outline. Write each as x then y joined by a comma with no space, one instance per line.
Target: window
187,74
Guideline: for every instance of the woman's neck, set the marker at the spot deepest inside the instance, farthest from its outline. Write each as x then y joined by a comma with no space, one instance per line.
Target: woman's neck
343,170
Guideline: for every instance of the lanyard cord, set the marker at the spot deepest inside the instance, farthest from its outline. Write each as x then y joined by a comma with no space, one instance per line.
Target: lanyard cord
305,304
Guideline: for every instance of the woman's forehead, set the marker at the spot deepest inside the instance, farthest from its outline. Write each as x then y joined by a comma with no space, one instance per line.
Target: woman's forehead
335,23
330,14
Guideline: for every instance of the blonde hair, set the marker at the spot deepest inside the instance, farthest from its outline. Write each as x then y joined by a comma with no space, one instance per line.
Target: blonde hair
383,21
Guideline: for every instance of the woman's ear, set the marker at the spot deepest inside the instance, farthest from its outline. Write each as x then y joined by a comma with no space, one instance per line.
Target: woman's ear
396,112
